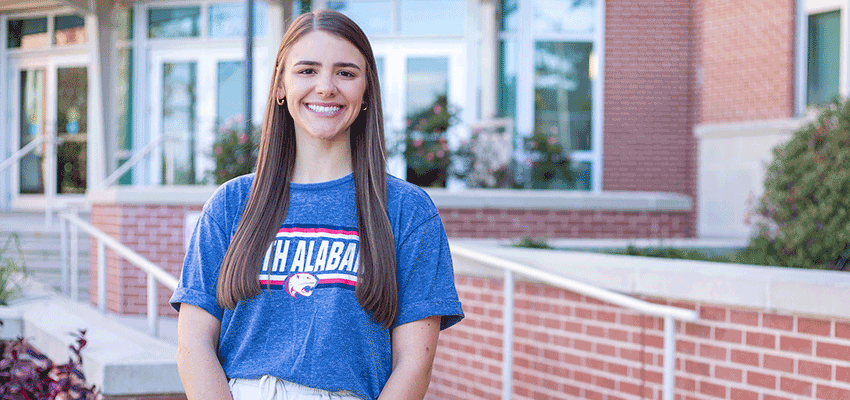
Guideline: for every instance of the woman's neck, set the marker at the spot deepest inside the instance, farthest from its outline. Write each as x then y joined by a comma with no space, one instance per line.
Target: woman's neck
321,161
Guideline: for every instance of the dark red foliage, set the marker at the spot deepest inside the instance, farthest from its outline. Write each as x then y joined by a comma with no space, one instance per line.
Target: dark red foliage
27,374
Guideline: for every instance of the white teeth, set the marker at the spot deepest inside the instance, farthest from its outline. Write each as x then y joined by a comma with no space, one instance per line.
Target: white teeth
323,109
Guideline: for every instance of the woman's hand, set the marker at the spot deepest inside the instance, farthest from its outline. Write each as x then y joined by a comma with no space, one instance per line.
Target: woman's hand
414,346
197,344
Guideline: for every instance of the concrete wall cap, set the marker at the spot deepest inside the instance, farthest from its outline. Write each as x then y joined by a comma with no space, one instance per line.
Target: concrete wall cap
769,288
784,126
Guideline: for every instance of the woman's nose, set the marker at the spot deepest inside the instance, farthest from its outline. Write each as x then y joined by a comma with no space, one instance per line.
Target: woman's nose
325,85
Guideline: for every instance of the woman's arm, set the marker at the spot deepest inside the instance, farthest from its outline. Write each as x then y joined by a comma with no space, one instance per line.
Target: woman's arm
197,344
414,346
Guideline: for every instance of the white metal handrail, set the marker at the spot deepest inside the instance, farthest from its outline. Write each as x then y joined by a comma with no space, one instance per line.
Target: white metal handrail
154,272
22,152
670,314
134,159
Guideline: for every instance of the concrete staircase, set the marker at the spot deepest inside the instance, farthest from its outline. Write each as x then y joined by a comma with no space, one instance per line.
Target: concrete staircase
40,248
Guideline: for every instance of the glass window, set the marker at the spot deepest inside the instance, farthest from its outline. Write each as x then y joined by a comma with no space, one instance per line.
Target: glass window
373,16
72,129
32,108
510,15
230,106
124,80
432,17
179,81
27,33
507,78
824,57
69,29
426,148
174,22
564,15
124,23
562,93
228,19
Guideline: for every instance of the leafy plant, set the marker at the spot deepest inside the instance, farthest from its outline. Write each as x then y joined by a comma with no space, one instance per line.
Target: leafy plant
11,270
27,374
548,161
533,242
804,215
484,160
234,151
426,149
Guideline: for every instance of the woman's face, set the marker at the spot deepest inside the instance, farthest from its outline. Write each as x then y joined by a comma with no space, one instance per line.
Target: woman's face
324,79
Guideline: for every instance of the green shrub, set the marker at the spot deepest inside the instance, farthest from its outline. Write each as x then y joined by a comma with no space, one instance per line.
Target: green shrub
533,242
803,216
11,270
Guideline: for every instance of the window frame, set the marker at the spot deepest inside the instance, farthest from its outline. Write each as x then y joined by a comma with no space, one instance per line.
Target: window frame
804,10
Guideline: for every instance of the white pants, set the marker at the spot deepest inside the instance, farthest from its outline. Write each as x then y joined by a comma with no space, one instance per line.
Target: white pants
272,388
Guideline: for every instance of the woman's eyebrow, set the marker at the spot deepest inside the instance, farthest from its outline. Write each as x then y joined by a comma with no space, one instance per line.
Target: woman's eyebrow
337,65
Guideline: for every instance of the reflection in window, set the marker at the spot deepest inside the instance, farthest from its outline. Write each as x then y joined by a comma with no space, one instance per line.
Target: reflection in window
72,129
562,93
27,33
32,117
178,122
508,79
564,15
373,16
824,57
510,15
124,23
69,29
230,106
124,104
228,19
430,17
426,147
174,22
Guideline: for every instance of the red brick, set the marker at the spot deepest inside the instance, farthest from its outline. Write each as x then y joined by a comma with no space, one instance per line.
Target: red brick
763,380
729,374
815,369
745,357
814,326
697,330
842,330
842,374
744,317
712,389
713,313
761,340
778,363
772,397
825,392
686,347
715,352
795,386
728,335
835,351
698,368
774,321
795,344
741,394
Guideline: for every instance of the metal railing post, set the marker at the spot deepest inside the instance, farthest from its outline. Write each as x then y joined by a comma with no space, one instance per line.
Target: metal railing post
508,339
669,379
101,276
63,249
153,307
75,259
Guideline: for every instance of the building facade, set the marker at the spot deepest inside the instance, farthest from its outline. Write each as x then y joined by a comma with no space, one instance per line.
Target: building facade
646,97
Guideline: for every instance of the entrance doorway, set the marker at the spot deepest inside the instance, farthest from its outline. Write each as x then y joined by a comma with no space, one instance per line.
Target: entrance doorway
49,98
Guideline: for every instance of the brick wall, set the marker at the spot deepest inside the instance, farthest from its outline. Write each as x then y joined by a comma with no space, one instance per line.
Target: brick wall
747,60
515,223
568,346
153,231
648,134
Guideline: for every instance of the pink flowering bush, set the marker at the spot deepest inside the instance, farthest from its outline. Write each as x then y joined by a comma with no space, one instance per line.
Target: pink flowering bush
234,151
426,149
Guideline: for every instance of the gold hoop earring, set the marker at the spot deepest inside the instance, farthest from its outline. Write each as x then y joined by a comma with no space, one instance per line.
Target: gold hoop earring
364,108
281,101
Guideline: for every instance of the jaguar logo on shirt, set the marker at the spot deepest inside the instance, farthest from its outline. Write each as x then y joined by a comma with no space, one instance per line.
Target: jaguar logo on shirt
303,259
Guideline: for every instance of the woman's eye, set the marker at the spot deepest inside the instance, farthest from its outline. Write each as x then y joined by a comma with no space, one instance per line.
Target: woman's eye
306,71
347,74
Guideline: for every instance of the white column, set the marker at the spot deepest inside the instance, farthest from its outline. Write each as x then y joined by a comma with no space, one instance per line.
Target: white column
598,116
96,147
107,15
489,61
143,172
844,64
6,142
802,56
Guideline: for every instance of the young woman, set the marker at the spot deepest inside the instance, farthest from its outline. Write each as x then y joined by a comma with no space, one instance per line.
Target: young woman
319,276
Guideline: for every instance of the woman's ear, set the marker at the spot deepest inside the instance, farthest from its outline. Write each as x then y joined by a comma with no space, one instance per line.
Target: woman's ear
281,91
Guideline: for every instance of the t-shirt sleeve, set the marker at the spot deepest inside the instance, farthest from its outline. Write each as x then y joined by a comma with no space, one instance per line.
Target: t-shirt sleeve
426,277
197,285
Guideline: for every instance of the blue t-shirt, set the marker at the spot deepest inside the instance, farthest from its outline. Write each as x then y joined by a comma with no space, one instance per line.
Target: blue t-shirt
309,328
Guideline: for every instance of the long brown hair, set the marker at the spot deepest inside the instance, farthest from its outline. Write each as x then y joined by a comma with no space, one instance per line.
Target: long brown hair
265,211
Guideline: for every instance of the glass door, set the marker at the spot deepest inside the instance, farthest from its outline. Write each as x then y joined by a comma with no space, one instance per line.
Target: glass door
49,100
423,88
195,96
